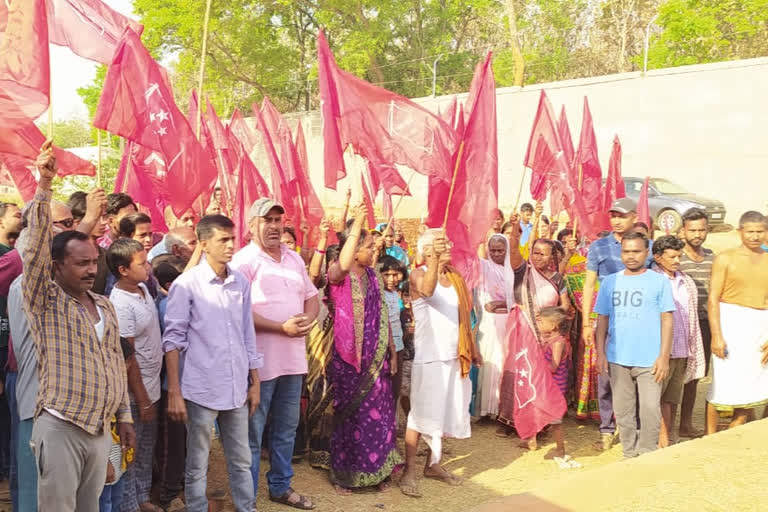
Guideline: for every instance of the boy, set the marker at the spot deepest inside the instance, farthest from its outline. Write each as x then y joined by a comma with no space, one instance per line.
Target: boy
138,322
392,273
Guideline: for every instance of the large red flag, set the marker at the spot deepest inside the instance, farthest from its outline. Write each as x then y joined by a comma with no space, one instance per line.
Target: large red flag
311,208
224,157
90,28
250,187
586,165
277,176
565,136
643,210
137,104
25,79
545,155
536,397
240,129
449,114
368,201
142,176
380,125
614,183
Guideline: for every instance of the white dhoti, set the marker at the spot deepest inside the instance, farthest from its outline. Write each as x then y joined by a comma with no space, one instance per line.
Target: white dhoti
740,380
492,345
439,404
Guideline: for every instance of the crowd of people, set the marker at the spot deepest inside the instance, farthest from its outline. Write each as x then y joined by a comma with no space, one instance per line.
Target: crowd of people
126,353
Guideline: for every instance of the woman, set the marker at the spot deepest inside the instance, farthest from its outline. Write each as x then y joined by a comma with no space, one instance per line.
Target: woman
537,285
574,270
497,226
363,443
496,296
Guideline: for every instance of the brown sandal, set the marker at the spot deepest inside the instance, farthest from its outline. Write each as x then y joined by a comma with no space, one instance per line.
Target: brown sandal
303,504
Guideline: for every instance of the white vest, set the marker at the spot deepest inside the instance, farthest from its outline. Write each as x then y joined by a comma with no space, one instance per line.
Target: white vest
437,326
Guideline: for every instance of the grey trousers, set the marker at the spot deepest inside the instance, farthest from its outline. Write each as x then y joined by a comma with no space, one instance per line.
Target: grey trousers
71,465
624,379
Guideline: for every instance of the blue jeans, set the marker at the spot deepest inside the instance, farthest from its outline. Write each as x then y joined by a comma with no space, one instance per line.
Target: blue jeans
10,392
282,397
234,439
605,403
26,468
112,497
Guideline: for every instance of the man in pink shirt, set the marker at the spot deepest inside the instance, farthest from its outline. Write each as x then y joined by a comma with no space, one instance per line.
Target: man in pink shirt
285,305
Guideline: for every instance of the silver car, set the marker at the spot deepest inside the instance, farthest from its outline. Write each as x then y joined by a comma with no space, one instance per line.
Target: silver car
668,202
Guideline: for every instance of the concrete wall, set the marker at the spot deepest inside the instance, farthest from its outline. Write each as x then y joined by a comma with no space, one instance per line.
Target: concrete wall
704,127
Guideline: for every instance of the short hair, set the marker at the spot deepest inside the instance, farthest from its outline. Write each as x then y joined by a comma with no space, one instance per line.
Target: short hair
60,241
667,242
694,214
117,201
427,239
129,222
641,225
166,268
332,254
290,231
604,233
216,189
751,216
506,226
344,235
545,219
497,214
173,238
209,223
557,315
526,207
563,234
78,204
389,263
634,235
120,254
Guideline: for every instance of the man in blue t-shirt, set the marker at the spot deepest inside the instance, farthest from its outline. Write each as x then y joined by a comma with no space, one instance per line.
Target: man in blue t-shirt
634,340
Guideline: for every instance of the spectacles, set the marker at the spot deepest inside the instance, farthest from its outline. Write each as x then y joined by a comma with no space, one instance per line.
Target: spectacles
67,223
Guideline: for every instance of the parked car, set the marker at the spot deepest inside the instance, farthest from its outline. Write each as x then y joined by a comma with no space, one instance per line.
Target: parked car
668,202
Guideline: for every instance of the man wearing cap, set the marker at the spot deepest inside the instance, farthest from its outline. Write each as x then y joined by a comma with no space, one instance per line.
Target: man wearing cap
604,259
285,305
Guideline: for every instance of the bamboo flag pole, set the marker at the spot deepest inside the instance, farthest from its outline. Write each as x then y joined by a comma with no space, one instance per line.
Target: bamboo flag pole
394,210
98,158
453,183
202,65
519,190
576,220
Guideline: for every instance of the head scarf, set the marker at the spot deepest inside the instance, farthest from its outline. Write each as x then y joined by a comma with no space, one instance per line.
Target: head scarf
505,270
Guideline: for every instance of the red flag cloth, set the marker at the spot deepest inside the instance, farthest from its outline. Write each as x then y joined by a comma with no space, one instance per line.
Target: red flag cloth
537,399
449,114
386,206
224,158
380,125
368,203
25,78
643,210
250,187
312,209
276,170
240,129
545,155
137,104
142,176
612,190
590,185
90,28
439,188
565,136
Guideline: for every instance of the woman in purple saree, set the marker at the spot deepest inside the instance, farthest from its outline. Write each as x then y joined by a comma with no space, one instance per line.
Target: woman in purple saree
363,443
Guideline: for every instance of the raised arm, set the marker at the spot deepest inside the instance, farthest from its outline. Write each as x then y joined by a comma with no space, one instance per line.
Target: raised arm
423,283
716,285
95,206
341,268
316,263
37,253
346,210
515,258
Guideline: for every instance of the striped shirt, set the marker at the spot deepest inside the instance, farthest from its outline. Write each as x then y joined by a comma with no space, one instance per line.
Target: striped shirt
700,272
81,377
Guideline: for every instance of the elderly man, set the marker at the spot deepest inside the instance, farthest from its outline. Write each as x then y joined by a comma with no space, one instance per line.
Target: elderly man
285,305
180,241
445,349
81,371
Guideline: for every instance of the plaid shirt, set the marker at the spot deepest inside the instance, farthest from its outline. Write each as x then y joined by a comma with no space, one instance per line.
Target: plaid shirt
81,377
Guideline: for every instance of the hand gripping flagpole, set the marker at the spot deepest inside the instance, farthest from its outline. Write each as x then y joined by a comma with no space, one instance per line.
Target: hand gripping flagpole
453,183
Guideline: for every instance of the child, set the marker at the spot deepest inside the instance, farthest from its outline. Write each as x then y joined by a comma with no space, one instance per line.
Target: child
392,273
404,367
166,268
553,324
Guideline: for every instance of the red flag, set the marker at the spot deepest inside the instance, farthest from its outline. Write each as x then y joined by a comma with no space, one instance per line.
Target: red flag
475,194
25,78
368,203
142,176
276,169
386,206
614,183
545,155
312,209
250,187
449,115
439,188
590,185
224,157
536,397
240,129
643,210
565,136
380,125
90,28
137,104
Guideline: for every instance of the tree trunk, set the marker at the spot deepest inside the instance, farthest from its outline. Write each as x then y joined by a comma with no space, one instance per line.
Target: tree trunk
517,54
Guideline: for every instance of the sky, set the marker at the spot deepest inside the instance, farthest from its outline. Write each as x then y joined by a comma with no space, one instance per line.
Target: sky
68,72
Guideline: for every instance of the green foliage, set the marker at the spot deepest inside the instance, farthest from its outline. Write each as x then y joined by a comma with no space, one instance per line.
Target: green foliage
700,31
70,134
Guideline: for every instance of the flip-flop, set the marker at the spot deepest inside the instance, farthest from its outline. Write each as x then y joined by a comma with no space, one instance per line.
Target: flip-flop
303,504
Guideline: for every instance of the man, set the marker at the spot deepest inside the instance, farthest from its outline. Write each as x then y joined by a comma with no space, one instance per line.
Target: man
10,226
118,206
526,226
285,305
686,361
738,317
137,226
78,203
180,241
81,370
445,349
696,262
603,259
209,331
634,340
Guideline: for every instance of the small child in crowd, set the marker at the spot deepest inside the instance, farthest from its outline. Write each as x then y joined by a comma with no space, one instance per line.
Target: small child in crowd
392,273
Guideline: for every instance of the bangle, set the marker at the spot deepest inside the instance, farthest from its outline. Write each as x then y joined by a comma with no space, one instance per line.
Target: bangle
147,407
318,251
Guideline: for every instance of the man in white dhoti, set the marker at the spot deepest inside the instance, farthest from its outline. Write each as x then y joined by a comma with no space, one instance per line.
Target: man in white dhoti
738,317
445,349
496,294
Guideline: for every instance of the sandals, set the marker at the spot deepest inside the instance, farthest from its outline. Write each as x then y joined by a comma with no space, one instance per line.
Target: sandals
303,504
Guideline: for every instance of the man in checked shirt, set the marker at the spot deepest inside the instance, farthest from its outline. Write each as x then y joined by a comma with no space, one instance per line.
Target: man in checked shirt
81,371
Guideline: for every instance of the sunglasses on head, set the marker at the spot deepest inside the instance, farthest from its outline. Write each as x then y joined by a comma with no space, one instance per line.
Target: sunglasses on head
67,223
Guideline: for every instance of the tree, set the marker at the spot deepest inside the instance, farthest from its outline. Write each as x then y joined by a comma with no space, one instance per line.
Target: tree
73,133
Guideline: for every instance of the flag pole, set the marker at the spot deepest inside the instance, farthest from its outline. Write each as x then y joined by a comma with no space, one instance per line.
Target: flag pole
394,210
519,191
576,220
453,184
202,65
98,158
